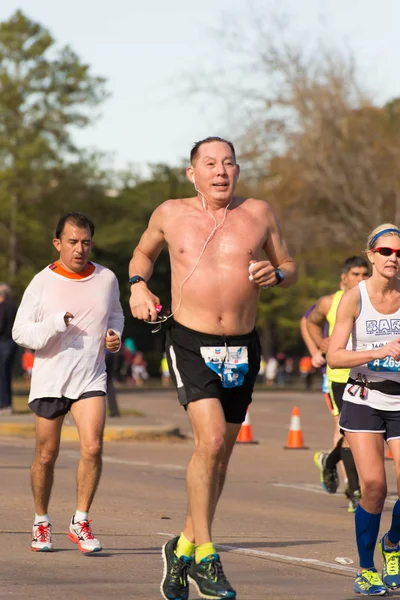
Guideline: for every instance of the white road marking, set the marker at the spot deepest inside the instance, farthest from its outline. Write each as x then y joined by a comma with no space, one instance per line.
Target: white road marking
262,554
306,487
316,489
134,463
391,500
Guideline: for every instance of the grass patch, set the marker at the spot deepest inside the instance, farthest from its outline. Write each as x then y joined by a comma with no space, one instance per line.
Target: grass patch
131,412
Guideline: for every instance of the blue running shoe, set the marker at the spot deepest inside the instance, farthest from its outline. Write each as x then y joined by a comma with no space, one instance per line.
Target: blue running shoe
174,584
209,578
391,565
368,583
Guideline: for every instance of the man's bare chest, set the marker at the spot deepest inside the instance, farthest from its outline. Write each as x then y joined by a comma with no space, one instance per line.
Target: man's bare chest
237,237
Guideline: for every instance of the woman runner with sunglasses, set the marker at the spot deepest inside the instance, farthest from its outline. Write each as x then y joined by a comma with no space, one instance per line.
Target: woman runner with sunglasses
370,312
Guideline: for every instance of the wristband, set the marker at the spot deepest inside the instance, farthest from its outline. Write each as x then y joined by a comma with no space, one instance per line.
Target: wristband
136,279
279,276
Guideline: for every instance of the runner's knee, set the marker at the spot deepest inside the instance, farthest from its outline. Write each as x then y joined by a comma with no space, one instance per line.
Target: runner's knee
46,454
91,450
374,492
212,446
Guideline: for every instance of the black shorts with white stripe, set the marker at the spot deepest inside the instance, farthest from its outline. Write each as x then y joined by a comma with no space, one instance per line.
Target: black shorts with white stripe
211,366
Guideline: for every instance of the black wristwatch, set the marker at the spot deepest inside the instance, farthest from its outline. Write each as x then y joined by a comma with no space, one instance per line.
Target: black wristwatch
279,276
136,279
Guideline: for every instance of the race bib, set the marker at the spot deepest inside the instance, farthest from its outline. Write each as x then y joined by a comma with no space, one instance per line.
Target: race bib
387,364
230,363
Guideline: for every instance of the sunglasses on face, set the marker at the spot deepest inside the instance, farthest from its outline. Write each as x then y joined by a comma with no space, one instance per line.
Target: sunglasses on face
388,251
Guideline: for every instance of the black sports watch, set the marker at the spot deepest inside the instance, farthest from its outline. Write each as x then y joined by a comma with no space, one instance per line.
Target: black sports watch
136,279
279,276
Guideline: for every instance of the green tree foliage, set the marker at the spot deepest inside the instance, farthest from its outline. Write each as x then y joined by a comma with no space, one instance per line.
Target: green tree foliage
44,92
313,143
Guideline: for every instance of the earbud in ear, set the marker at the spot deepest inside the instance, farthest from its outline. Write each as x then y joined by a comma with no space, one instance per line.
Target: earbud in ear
193,179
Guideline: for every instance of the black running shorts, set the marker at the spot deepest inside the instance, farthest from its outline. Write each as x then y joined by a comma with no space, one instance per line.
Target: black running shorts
211,366
362,418
336,391
51,408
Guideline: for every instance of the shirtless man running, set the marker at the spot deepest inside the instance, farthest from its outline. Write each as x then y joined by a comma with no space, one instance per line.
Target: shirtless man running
216,243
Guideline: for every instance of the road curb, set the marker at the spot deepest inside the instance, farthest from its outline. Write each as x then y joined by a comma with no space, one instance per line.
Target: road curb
139,433
118,433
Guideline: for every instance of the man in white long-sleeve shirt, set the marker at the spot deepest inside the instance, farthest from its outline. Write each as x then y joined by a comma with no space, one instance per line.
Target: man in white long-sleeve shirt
70,313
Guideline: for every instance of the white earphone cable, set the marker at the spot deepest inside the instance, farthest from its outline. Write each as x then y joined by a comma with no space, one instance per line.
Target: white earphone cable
216,227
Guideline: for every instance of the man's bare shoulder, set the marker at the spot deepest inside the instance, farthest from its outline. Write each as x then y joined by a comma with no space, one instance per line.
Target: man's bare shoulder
324,303
258,210
177,203
172,206
255,204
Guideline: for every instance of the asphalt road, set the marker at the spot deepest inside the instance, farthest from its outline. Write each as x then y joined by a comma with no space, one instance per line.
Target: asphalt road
278,532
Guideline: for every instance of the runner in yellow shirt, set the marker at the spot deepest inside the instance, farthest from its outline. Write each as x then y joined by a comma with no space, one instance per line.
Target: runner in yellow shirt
354,270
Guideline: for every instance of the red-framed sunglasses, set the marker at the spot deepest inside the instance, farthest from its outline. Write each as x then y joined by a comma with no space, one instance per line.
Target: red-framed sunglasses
388,251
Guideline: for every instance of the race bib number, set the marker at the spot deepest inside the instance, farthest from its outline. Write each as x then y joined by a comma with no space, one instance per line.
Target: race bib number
230,363
387,364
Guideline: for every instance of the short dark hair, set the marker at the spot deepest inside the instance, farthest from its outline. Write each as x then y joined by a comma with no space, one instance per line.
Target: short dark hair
195,150
352,262
76,218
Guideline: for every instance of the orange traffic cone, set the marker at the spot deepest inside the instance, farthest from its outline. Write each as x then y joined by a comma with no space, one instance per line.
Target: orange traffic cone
295,436
389,454
245,435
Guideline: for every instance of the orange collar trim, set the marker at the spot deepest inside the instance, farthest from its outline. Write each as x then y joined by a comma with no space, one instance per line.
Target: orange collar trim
57,268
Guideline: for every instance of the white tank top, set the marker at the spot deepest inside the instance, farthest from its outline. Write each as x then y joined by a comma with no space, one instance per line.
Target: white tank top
373,330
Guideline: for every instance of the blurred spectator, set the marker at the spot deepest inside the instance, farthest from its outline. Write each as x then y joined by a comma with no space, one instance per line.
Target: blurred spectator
8,348
128,352
165,374
306,371
111,361
27,359
119,363
289,369
139,369
271,370
280,376
261,372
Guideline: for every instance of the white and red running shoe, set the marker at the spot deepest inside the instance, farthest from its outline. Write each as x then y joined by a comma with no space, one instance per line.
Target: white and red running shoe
41,537
81,533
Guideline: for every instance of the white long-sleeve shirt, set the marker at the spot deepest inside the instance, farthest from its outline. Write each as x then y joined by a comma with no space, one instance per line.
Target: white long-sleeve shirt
69,361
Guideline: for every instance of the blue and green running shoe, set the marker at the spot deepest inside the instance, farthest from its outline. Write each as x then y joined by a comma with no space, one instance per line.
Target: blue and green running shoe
368,583
209,578
174,584
391,565
328,477
354,501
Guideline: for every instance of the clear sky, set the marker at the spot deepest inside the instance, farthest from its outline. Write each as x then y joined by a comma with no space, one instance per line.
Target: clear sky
146,49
